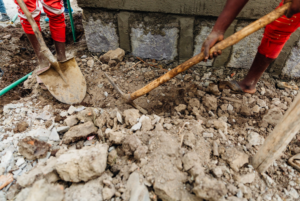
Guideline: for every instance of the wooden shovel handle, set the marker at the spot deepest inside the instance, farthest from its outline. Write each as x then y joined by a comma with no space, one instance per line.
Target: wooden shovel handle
37,32
233,39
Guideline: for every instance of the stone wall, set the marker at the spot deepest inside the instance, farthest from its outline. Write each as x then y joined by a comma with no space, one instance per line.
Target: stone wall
168,33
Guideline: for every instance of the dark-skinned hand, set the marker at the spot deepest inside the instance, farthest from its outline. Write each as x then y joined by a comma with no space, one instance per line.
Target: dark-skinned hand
294,8
213,38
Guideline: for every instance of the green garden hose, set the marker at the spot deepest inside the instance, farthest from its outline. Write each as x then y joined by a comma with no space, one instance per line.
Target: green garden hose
13,85
71,19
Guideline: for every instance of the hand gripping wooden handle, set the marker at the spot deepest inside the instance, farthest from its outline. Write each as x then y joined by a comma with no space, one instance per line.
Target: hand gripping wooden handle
233,39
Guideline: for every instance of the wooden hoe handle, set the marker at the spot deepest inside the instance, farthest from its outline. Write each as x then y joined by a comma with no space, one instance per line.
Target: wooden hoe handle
233,39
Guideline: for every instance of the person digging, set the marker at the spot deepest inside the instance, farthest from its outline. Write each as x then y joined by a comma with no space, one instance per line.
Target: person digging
275,36
55,11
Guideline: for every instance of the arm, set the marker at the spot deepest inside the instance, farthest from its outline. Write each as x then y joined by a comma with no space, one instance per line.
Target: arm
229,13
295,8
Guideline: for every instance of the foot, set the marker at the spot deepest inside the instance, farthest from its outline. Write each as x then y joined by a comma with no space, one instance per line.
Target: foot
4,18
5,180
247,88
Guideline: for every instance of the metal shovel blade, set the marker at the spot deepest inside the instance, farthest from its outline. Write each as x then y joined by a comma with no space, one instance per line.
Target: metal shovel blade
70,92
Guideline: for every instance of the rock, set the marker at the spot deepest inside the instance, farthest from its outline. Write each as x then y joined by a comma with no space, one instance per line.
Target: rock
194,102
7,108
42,134
87,115
82,165
209,189
108,192
146,123
140,152
8,37
136,189
32,148
7,161
41,171
208,135
255,139
180,108
218,171
210,103
104,58
54,135
188,78
294,194
21,127
71,110
116,137
189,160
256,109
41,190
104,67
168,126
23,194
220,125
230,107
62,129
235,158
245,110
117,55
63,113
112,63
189,139
79,132
91,63
247,178
136,126
112,156
13,191
71,121
261,103
131,116
213,89
90,191
130,144
273,116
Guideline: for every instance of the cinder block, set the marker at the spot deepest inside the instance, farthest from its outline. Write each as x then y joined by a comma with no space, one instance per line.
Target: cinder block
243,53
100,32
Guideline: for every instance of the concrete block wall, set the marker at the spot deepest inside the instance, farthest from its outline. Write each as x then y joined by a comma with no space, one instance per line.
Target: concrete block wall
163,36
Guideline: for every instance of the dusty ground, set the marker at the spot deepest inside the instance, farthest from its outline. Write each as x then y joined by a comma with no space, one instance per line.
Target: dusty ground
192,145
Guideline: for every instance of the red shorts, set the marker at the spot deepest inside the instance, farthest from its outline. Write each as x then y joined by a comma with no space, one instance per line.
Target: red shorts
277,34
54,10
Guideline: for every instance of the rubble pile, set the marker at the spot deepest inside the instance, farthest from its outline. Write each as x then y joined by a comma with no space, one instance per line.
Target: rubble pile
195,143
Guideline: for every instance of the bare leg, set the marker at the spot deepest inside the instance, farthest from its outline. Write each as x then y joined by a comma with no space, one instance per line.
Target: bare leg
43,61
259,65
60,50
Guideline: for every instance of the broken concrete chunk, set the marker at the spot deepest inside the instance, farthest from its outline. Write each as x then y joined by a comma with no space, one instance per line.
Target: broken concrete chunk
235,158
130,144
255,139
273,116
21,127
189,160
7,161
131,116
83,192
116,137
41,190
117,54
54,135
82,165
136,189
62,129
209,189
146,123
71,121
87,115
42,134
79,132
32,148
247,178
180,108
71,109
140,152
210,103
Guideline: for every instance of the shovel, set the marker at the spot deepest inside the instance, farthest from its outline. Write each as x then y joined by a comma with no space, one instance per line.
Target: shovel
64,79
233,39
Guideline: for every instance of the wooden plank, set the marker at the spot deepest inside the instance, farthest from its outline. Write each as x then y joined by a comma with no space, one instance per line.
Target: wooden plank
278,140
